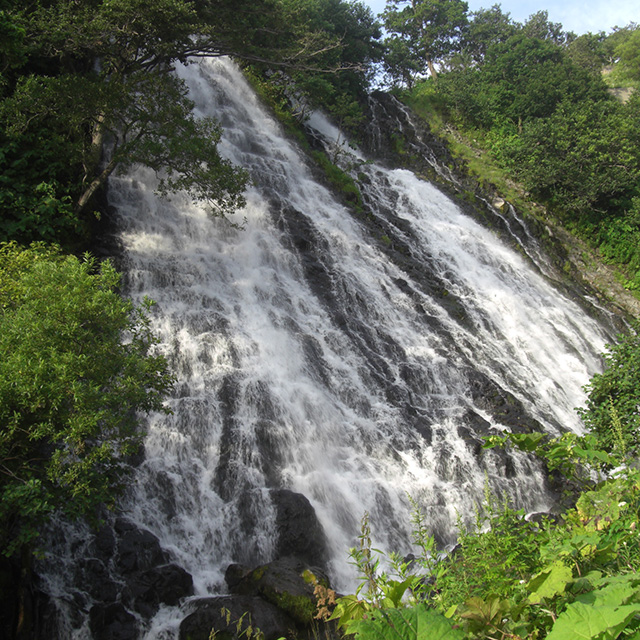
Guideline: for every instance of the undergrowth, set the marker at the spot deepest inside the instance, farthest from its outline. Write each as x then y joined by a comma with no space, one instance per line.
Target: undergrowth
572,577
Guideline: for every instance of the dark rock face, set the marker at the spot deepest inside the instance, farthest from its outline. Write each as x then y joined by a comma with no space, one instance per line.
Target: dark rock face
207,614
277,598
300,534
167,584
499,403
112,622
137,549
123,577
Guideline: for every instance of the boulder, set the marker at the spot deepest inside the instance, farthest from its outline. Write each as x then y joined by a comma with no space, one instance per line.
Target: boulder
231,617
112,622
287,583
166,584
499,203
137,549
300,533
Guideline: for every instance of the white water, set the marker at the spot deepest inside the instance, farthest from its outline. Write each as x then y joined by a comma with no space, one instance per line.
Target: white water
306,359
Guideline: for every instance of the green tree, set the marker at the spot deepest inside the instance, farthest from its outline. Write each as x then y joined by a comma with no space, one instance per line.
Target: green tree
618,37
538,26
85,75
487,27
628,54
107,79
583,159
430,29
588,51
76,365
352,47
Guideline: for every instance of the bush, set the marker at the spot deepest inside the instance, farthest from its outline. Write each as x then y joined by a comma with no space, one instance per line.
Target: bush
75,367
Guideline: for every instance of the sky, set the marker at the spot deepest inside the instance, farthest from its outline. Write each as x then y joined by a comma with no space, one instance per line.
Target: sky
579,16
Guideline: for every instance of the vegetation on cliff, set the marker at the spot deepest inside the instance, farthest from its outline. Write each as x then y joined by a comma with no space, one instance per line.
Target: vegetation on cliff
537,103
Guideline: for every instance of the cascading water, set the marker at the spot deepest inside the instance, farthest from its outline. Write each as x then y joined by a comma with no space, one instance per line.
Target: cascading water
312,355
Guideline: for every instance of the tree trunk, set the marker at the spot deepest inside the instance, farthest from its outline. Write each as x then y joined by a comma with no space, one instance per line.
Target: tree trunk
95,184
432,69
24,627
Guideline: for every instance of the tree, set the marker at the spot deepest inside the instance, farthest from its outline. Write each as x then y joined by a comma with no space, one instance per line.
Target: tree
583,159
130,99
538,26
487,27
628,54
431,29
528,77
588,51
353,26
91,72
76,365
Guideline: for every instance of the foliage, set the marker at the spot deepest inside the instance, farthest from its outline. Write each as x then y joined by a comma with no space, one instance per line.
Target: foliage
352,49
339,179
130,101
413,623
83,77
583,159
493,558
424,31
76,364
533,98
612,411
576,458
624,45
487,27
575,578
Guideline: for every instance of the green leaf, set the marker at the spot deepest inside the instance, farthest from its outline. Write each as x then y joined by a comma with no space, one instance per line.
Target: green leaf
549,582
617,590
583,622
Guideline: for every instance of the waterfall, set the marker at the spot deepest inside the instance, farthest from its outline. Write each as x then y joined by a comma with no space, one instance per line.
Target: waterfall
353,357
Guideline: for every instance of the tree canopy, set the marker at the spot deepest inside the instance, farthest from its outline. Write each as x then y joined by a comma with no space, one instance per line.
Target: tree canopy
423,32
82,75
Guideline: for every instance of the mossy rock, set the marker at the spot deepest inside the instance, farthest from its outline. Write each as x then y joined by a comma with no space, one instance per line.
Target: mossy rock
288,584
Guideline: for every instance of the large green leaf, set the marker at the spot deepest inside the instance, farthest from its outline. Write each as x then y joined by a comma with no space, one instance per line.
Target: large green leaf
549,582
583,622
613,591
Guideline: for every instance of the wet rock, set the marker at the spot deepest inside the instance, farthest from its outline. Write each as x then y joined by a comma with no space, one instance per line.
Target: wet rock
112,622
300,533
167,584
502,405
243,611
104,542
99,585
542,517
499,203
234,575
137,549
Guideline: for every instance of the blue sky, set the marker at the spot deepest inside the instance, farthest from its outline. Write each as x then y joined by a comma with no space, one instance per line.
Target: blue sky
579,16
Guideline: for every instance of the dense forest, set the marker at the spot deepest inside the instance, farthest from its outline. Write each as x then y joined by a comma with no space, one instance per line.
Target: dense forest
86,90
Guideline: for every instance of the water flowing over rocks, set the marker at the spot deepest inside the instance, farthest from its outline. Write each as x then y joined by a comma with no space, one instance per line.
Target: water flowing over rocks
329,361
